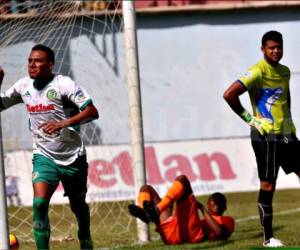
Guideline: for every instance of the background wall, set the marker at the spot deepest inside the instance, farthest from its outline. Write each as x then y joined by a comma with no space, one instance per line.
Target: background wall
186,62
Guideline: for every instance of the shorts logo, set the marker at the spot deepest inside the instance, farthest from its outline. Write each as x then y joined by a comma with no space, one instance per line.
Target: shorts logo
35,175
51,94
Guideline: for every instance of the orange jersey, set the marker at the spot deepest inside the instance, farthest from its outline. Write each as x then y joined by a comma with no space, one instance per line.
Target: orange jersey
184,226
226,221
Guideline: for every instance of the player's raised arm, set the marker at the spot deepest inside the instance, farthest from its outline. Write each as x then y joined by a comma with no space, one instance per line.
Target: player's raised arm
231,95
11,96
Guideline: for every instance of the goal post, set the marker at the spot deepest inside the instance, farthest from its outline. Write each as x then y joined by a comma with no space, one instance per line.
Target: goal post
89,40
4,233
135,110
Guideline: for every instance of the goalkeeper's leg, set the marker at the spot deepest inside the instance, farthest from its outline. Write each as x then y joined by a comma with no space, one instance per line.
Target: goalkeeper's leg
266,211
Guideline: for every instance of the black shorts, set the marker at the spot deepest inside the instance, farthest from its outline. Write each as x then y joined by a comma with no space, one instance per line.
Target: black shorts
274,151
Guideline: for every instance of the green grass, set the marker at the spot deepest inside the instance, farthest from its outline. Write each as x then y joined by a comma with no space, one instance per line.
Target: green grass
247,235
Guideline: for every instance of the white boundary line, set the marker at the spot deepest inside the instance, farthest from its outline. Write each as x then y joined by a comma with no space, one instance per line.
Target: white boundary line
254,217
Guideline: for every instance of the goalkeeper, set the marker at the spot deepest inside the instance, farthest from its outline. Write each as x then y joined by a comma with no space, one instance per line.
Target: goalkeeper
273,134
56,106
183,224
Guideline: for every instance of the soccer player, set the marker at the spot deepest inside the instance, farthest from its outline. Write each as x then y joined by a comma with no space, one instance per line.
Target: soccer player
56,106
183,224
273,134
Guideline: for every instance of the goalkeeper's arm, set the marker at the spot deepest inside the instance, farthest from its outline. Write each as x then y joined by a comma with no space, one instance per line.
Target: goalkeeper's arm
231,95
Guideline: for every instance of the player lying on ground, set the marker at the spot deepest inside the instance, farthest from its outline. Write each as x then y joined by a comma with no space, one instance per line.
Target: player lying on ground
183,224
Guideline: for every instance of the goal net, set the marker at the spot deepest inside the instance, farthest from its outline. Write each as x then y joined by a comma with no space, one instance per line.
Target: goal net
87,37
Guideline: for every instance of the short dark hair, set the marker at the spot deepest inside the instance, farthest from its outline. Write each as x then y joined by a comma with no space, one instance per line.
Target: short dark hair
218,198
47,50
271,35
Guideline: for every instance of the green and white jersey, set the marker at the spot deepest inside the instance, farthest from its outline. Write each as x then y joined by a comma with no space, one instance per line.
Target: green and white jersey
52,103
268,88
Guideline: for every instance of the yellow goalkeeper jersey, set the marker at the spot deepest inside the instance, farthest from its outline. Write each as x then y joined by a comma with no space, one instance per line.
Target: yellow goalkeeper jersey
268,88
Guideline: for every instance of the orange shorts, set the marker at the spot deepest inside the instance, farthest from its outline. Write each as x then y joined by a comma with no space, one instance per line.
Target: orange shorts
184,226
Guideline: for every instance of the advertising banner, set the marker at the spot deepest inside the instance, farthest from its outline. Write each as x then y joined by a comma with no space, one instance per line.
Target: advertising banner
211,166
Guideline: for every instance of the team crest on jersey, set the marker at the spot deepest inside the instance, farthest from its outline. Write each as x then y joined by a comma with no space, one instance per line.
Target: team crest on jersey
79,95
51,94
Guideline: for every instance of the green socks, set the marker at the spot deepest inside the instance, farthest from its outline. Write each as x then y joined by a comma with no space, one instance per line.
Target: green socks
41,226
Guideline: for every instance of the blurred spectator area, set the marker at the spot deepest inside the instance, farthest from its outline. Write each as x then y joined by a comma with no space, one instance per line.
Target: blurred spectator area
164,4
31,6
17,6
152,4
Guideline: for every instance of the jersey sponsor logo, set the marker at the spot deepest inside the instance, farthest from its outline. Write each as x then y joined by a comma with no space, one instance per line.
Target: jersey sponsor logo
51,94
39,108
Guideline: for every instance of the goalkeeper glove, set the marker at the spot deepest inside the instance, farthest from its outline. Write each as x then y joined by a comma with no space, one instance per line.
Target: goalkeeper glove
263,125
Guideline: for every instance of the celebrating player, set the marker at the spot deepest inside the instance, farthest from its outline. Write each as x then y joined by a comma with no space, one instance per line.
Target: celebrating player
183,225
273,134
56,106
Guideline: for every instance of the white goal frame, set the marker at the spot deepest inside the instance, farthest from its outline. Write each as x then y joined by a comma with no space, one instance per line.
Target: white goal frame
4,232
136,127
134,99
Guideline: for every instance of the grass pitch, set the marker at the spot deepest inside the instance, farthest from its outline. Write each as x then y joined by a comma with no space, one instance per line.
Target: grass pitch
243,206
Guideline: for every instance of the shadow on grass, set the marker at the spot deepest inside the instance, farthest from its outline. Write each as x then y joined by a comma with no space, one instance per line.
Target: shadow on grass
258,232
211,246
